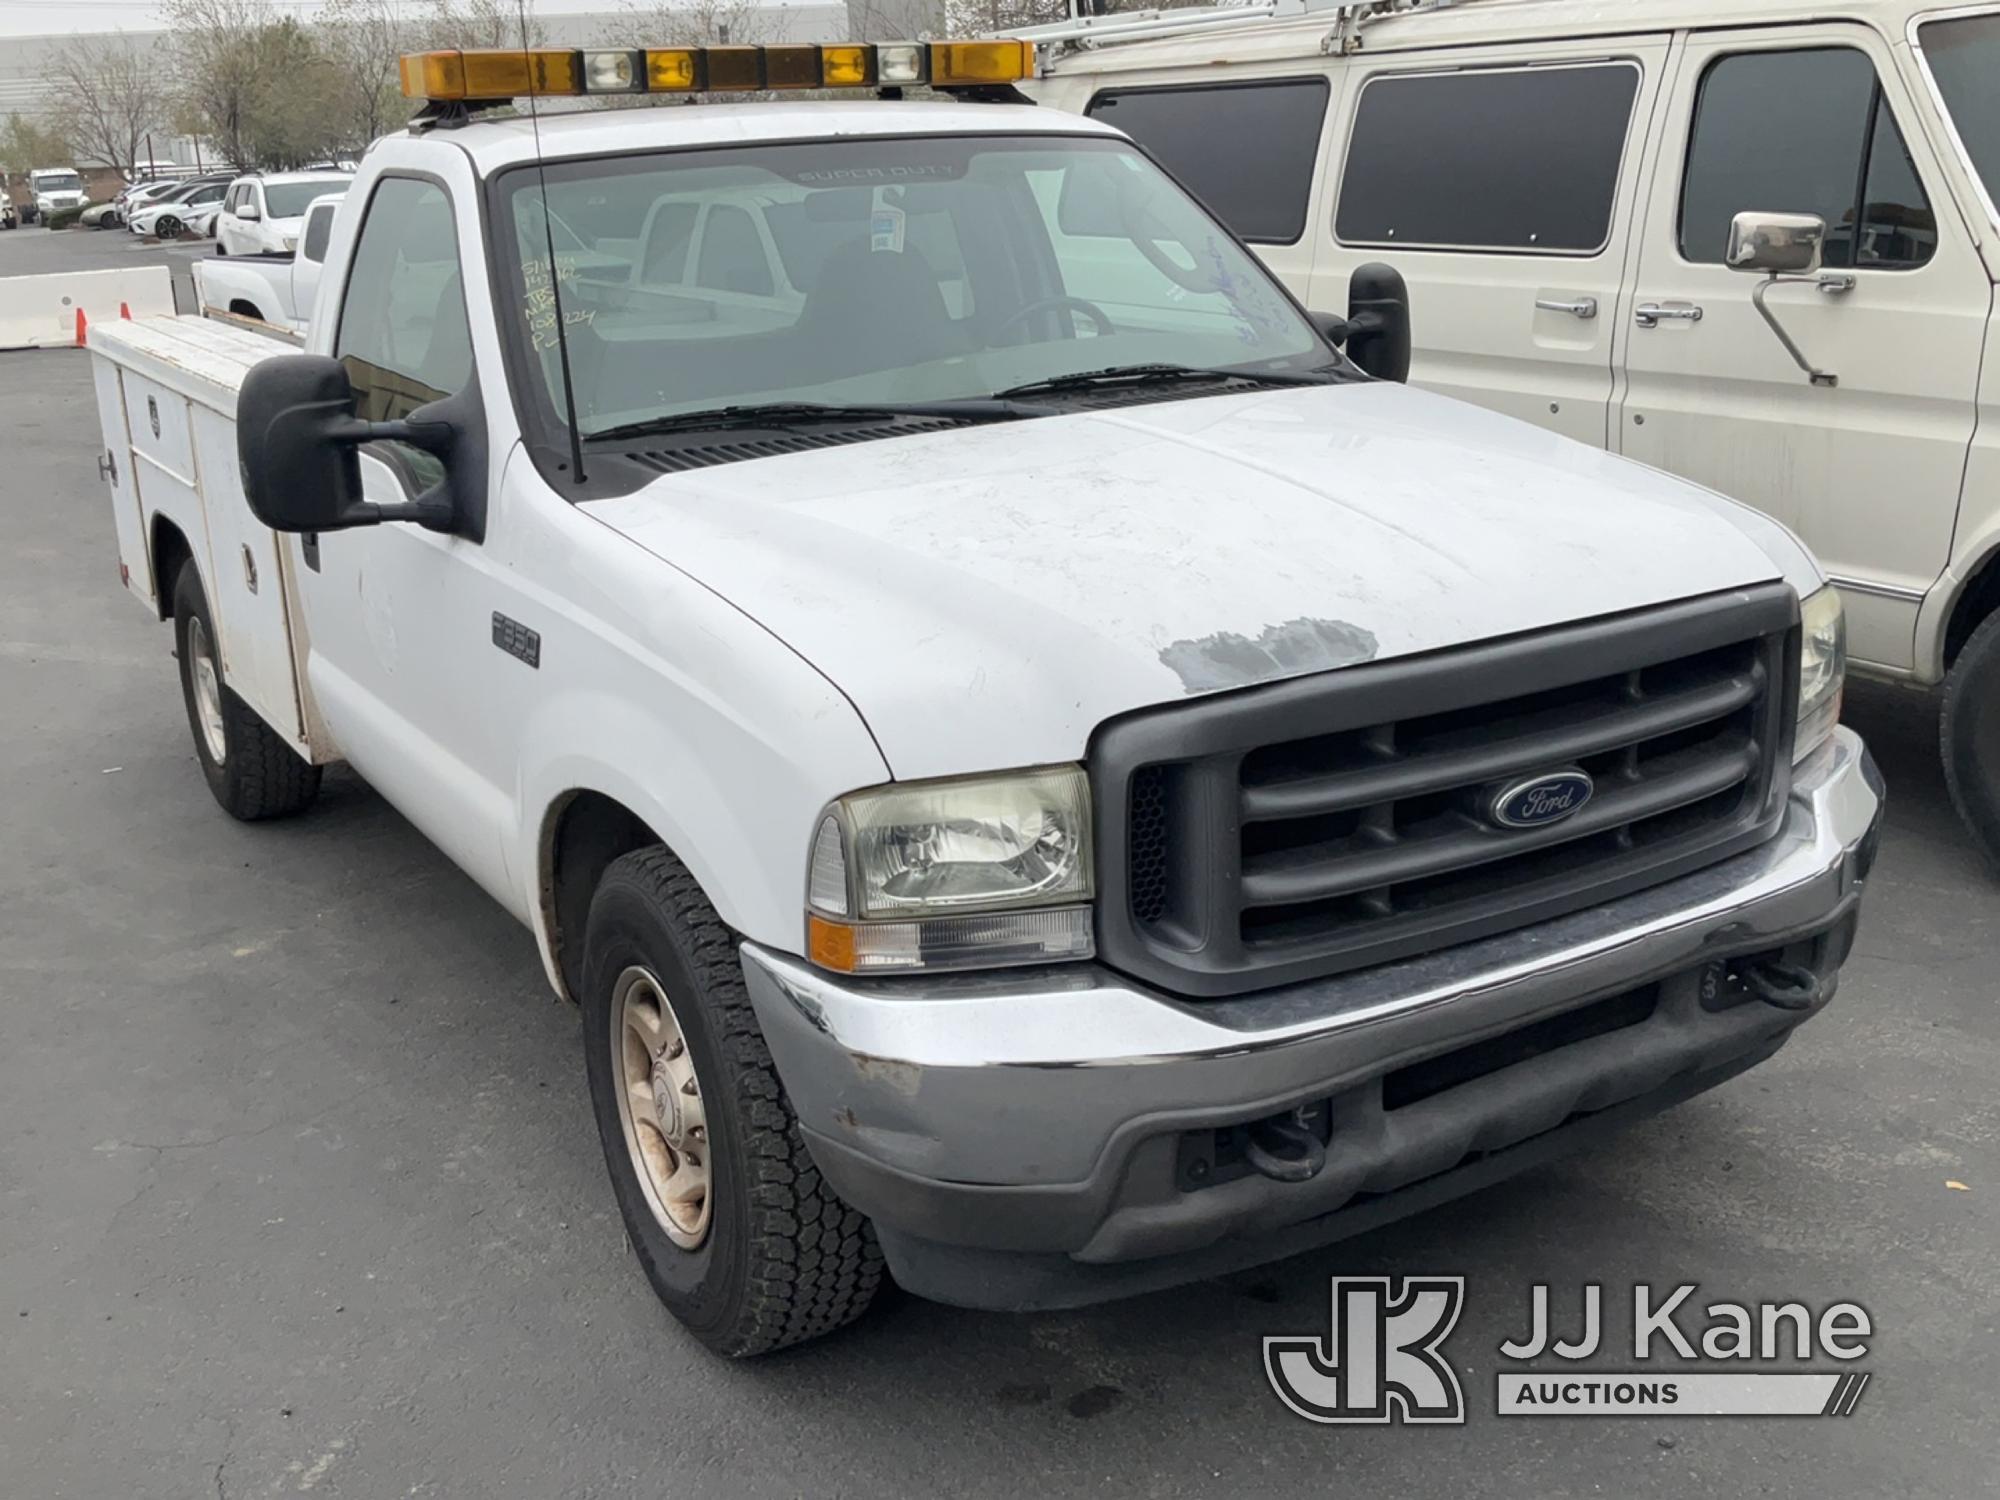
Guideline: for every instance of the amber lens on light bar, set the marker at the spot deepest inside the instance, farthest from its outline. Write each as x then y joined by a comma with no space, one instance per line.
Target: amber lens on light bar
734,68
673,69
847,67
510,73
433,75
960,63
791,67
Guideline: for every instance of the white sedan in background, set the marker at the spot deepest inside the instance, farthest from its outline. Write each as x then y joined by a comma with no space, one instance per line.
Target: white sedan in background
261,214
168,215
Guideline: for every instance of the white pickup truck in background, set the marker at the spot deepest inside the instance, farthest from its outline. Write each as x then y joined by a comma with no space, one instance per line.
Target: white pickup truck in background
278,290
1050,797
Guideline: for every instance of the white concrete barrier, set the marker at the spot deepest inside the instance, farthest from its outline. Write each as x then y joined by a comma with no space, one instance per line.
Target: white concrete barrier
39,312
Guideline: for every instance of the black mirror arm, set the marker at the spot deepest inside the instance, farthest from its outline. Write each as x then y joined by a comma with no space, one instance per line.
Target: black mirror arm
433,509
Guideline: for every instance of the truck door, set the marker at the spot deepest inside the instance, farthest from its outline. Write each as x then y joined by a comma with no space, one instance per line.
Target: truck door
399,619
1811,120
1501,181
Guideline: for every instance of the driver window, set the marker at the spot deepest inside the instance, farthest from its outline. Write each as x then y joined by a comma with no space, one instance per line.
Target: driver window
403,332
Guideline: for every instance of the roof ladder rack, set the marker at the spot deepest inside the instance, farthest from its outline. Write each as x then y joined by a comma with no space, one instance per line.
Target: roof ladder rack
1089,26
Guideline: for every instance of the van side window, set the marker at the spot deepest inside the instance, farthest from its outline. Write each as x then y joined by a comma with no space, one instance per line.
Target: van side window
1246,150
732,254
1502,159
403,332
1833,149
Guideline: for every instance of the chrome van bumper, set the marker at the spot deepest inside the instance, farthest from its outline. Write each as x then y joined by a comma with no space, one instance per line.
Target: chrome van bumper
1048,1137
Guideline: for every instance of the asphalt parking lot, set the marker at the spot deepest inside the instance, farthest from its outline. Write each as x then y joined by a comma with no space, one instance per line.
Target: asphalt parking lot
300,1193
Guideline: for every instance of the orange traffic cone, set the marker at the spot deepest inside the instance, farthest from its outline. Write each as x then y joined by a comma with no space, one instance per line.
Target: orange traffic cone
82,324
125,311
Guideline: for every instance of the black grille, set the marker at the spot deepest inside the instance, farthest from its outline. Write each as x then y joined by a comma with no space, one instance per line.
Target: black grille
1326,823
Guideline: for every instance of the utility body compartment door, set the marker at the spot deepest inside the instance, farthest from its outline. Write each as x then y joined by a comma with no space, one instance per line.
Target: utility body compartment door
115,463
1812,119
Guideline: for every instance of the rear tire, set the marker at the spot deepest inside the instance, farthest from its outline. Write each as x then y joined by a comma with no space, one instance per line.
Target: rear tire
253,773
766,1255
1969,731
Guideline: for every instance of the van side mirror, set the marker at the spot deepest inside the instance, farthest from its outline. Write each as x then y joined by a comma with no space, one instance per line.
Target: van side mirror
297,442
1378,321
1776,244
1787,248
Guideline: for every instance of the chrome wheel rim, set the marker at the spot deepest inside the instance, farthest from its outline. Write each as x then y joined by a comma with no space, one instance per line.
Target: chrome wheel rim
207,690
660,1107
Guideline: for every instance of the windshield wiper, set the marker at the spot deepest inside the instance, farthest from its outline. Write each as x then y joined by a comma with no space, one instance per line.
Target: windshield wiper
1157,374
798,413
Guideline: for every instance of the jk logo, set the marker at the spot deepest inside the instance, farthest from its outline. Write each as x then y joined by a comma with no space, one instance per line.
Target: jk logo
1380,1362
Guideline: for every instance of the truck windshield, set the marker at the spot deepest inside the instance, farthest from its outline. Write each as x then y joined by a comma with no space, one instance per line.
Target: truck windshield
875,271
57,182
1964,58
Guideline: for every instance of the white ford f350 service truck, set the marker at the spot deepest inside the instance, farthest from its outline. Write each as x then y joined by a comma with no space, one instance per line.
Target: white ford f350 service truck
1054,792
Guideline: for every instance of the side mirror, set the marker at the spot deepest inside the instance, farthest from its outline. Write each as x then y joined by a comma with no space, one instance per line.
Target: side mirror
1786,248
296,444
1776,244
249,213
1378,321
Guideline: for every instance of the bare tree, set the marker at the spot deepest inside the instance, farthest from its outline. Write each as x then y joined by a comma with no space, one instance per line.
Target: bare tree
481,23
27,144
361,41
216,59
895,20
108,95
697,23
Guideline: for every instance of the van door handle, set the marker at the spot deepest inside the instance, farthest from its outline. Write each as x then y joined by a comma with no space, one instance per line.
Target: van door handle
1652,315
1583,307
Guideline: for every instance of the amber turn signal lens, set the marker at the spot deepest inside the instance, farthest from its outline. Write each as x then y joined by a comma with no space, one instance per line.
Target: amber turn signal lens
830,944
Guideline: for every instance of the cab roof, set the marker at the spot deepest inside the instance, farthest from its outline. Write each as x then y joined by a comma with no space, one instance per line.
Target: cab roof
1479,22
497,144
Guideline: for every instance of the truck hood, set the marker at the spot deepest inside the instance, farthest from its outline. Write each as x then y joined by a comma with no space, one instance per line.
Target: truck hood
987,596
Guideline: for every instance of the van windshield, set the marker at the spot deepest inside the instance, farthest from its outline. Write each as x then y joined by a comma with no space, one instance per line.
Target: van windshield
876,271
1964,57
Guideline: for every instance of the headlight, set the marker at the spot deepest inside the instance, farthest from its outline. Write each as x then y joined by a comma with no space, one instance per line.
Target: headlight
1822,670
969,873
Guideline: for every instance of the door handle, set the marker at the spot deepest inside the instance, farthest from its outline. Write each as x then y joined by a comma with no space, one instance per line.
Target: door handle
1652,315
1583,307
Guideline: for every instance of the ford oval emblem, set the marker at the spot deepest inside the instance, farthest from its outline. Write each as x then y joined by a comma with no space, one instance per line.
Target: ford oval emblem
1541,800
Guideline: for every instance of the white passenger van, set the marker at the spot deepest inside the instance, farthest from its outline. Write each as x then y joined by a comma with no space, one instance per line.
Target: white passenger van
1560,182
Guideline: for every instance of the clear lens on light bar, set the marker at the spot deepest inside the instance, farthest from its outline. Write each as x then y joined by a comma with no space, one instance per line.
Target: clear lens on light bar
507,73
986,941
614,72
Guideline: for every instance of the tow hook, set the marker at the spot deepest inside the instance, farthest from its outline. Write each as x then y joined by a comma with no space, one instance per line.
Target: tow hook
1786,986
1285,1149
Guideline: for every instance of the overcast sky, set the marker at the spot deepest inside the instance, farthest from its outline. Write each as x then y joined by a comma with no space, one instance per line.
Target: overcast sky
54,17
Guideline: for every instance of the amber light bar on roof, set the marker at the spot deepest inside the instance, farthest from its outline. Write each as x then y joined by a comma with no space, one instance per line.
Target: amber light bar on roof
511,73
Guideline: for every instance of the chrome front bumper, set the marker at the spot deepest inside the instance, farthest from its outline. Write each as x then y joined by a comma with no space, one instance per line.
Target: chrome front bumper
1034,1112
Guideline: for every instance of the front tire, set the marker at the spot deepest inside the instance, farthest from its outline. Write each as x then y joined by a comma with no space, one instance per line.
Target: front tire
166,227
1969,731
253,773
729,1218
